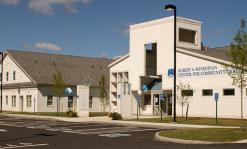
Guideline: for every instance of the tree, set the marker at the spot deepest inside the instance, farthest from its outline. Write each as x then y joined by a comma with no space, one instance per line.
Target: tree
58,87
238,58
102,92
184,92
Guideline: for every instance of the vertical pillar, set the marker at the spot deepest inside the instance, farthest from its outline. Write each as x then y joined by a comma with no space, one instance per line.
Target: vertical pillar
82,101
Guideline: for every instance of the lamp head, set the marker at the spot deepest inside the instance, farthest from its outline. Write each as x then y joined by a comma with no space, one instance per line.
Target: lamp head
139,92
170,7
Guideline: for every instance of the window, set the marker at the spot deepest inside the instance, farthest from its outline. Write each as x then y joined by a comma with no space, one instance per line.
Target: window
7,100
7,76
49,101
207,92
13,75
29,100
13,101
70,102
187,92
151,59
156,99
90,102
147,99
186,35
229,92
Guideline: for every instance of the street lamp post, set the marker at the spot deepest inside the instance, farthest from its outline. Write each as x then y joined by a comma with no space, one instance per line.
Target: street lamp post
1,82
173,8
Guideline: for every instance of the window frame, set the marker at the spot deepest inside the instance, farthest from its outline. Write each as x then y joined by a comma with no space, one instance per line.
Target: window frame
195,37
207,90
52,101
13,101
7,76
192,91
14,75
29,101
223,91
7,100
90,101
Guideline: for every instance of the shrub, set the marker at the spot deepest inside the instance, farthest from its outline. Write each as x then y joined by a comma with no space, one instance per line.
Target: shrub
110,114
71,114
116,116
97,114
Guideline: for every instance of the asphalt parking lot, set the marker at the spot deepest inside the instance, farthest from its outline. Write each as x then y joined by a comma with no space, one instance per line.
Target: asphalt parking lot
47,134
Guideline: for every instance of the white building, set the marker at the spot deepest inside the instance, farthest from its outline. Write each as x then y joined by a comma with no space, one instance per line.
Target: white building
150,61
28,80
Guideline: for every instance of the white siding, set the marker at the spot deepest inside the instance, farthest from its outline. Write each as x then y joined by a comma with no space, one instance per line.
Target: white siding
10,66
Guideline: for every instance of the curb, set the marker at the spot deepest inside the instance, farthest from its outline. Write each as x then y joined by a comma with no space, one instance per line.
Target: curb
37,117
181,141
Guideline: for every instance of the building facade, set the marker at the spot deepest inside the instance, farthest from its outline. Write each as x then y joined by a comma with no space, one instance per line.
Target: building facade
148,67
28,81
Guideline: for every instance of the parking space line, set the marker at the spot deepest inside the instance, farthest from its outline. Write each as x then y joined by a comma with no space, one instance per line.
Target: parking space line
23,146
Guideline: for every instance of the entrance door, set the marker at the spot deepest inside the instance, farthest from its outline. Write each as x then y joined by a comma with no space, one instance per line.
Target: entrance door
70,102
156,104
147,106
169,103
21,103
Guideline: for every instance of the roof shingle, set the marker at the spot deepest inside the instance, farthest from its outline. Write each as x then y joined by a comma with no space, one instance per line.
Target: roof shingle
76,70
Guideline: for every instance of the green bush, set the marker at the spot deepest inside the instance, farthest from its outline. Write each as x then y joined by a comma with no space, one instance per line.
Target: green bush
97,114
116,116
71,114
110,114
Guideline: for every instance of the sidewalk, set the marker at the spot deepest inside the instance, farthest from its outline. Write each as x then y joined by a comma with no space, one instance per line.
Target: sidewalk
115,122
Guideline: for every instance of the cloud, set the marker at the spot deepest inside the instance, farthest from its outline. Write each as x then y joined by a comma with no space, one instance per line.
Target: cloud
10,2
86,2
27,46
103,55
46,7
117,57
123,29
48,46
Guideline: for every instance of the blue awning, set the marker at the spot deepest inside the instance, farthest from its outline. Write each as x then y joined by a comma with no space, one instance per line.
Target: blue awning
155,85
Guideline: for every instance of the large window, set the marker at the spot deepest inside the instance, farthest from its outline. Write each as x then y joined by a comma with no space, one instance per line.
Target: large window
7,100
186,35
14,73
187,92
90,102
29,100
49,101
229,92
207,92
13,101
7,76
151,59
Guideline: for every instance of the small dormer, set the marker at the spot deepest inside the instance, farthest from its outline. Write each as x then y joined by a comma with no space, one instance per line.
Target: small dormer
188,33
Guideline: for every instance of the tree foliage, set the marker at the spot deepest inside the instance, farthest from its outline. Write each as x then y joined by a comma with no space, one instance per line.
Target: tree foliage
58,84
238,58
103,92
183,94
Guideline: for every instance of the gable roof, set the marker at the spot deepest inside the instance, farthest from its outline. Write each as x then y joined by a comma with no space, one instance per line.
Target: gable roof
76,70
218,53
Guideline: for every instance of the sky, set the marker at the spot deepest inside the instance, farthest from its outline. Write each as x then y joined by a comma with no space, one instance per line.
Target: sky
99,28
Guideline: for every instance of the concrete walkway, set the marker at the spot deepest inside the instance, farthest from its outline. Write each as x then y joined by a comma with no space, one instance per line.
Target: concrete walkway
116,122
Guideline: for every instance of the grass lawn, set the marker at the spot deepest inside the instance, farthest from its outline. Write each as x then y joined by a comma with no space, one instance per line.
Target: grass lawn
60,114
208,134
97,114
198,121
